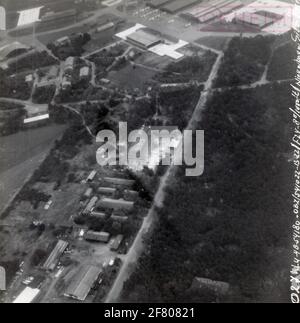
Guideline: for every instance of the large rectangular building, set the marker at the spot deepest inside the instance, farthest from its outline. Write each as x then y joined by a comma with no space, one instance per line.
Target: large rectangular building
271,16
212,10
53,16
119,181
97,236
254,20
91,205
158,3
83,283
143,39
202,9
116,204
178,5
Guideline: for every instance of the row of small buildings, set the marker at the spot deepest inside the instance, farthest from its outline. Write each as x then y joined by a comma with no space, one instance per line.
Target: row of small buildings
107,202
88,276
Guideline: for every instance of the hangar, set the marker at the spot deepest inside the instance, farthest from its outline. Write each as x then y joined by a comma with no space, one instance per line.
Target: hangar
83,283
143,39
12,49
162,48
116,204
255,20
53,16
55,255
215,9
281,13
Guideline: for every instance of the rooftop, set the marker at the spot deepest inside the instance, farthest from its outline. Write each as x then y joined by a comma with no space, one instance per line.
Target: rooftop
29,16
37,118
27,296
52,260
82,285
144,38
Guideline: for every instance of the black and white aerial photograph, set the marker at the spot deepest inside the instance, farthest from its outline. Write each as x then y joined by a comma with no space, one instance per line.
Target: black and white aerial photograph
149,154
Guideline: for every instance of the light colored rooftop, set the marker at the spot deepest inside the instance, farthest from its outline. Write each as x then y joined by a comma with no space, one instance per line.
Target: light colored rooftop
29,16
83,283
144,38
285,9
27,296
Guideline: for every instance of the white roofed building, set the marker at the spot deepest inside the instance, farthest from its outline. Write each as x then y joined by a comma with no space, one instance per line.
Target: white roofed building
29,16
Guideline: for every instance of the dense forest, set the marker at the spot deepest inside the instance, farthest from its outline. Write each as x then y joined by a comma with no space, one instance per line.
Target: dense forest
43,95
14,87
231,224
31,62
190,68
244,61
11,118
283,64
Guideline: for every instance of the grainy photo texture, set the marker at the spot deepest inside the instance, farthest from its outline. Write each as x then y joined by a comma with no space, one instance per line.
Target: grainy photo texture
149,154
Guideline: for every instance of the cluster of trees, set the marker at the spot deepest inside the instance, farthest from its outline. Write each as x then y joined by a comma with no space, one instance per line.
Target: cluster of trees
190,68
74,48
14,87
94,113
56,168
31,62
44,95
38,257
232,224
244,61
179,104
33,196
283,64
11,118
78,92
140,113
105,58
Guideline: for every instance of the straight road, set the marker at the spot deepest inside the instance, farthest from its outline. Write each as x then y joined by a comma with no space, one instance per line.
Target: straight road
138,245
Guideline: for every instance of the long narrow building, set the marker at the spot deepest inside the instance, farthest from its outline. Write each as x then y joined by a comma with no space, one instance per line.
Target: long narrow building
212,10
55,255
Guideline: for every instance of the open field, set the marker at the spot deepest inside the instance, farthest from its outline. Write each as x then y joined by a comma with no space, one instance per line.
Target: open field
17,148
21,154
